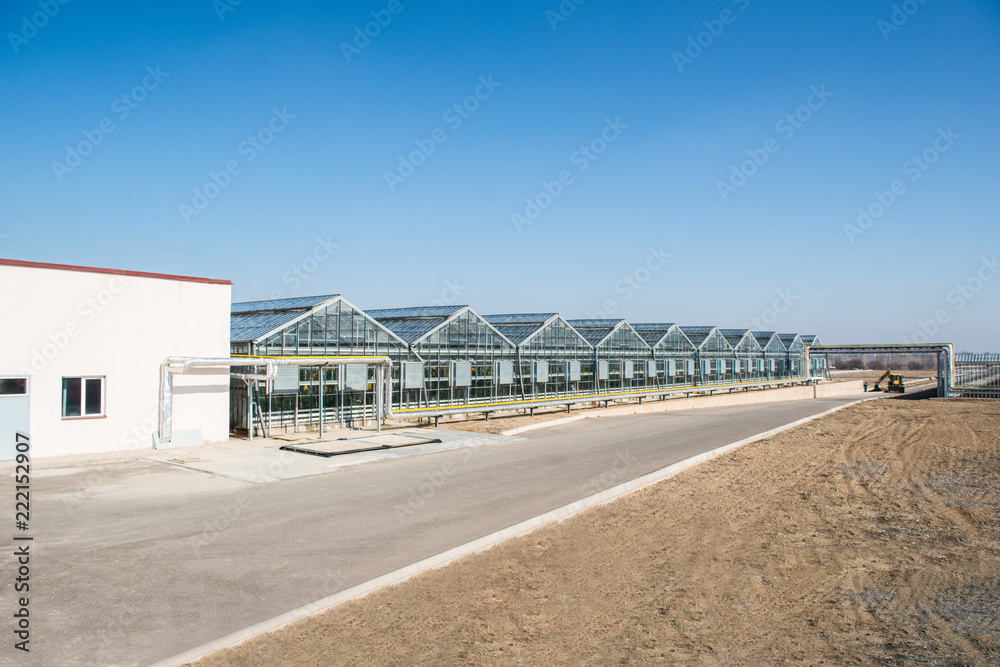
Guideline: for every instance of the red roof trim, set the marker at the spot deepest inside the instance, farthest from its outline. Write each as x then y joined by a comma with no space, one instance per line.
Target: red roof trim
116,272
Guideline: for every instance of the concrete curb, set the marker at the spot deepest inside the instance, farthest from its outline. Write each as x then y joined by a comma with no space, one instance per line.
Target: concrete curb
481,544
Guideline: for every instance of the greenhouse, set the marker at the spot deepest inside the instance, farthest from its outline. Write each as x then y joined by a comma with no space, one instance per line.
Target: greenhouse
747,352
448,357
793,348
673,352
552,357
464,358
773,354
321,326
819,366
714,358
620,355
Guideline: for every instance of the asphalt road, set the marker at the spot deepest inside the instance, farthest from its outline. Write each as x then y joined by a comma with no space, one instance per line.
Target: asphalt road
138,561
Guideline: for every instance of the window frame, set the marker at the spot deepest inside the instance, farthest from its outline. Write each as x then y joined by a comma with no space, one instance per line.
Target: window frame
27,386
84,380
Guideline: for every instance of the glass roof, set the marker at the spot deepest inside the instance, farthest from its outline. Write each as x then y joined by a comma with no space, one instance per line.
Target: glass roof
300,304
652,332
697,335
439,312
595,331
734,336
412,324
517,333
249,328
592,324
763,337
410,330
787,339
520,318
652,326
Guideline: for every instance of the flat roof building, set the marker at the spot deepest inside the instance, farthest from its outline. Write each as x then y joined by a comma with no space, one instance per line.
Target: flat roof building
82,354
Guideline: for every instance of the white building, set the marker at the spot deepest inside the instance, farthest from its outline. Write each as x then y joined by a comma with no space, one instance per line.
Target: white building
80,354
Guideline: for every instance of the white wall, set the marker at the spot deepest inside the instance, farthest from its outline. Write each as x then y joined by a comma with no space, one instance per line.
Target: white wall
67,323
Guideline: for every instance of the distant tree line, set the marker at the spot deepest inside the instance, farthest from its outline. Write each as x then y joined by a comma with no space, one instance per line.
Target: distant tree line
882,362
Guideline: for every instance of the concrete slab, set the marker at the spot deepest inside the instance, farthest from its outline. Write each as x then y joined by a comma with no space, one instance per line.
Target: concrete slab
262,461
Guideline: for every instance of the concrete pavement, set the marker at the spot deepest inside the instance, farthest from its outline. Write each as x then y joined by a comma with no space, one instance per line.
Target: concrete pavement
138,561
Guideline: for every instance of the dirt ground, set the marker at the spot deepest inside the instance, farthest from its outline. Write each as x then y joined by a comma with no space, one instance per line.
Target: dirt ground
498,424
871,536
871,376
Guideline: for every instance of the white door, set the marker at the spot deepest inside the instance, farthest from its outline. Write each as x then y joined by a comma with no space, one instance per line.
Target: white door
14,414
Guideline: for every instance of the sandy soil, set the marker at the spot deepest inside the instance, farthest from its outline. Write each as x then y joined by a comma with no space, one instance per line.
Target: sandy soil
868,537
871,376
498,424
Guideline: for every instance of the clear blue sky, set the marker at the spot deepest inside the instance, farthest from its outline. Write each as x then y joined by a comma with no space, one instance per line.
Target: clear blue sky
677,125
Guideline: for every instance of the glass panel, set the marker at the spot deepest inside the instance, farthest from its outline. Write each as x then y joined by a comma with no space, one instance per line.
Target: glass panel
93,397
13,386
71,390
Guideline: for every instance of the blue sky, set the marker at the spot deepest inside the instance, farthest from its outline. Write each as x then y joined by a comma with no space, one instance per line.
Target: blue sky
713,155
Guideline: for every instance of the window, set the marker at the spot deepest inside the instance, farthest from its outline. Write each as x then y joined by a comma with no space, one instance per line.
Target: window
13,386
83,397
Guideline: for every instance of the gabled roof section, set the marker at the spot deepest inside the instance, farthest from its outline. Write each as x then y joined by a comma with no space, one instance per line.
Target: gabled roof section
763,337
520,328
655,332
300,304
415,324
418,312
698,335
734,336
520,318
596,332
251,321
811,339
790,340
738,338
412,324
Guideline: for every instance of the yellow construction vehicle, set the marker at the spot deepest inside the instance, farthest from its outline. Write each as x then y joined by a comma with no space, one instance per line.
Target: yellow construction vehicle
895,383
